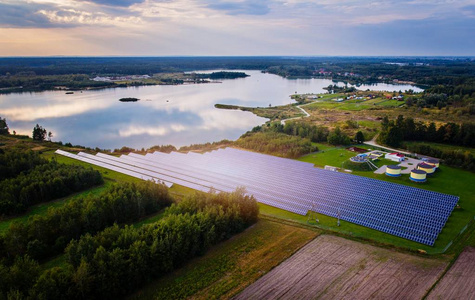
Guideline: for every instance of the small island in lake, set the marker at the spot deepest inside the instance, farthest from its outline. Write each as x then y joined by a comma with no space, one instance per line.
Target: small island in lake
129,99
221,75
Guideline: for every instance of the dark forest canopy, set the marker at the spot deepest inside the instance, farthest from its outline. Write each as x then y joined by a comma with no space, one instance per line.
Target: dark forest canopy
150,65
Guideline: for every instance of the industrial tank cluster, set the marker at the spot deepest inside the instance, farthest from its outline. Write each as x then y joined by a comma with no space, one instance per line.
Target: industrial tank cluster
419,174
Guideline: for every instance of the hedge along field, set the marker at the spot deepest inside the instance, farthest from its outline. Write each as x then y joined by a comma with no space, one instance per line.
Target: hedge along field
43,236
117,260
43,183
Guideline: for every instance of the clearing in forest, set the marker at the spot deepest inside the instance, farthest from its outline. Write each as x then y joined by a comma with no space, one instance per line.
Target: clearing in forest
335,268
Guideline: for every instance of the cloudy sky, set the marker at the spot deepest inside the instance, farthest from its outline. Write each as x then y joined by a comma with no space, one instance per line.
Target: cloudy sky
237,27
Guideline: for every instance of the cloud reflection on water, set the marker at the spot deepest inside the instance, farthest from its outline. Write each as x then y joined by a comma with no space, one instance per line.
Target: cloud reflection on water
178,115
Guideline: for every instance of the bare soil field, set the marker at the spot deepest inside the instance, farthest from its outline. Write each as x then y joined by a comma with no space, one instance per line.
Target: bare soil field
459,282
335,268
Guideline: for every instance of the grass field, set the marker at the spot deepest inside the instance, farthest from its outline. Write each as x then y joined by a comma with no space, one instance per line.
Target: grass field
232,265
327,102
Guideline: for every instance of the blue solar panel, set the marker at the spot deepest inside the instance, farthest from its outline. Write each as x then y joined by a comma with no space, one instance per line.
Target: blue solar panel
408,212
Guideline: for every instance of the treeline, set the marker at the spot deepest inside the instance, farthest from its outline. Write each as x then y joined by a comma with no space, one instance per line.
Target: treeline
43,183
316,134
275,143
207,146
465,103
393,132
46,235
32,82
454,158
163,148
15,161
426,70
117,261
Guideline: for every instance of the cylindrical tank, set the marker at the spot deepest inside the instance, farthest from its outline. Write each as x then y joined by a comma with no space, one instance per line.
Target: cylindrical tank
426,167
433,162
393,170
418,176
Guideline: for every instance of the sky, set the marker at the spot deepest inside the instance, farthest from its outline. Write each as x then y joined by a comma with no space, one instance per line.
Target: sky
237,27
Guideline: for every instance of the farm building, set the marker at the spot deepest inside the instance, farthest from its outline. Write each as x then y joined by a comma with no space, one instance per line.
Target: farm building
395,156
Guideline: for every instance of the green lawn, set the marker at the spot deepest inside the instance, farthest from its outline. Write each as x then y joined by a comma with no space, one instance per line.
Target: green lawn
352,105
333,157
446,180
390,103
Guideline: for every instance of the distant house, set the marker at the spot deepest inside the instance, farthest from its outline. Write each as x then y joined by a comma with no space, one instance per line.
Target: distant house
398,157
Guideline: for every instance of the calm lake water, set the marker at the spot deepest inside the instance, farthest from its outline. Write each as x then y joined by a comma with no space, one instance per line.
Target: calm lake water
178,115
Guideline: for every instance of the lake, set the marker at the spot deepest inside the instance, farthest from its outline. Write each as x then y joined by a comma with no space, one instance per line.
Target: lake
178,115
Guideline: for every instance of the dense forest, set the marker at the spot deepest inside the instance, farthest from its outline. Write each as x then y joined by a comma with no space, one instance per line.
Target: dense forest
27,179
114,262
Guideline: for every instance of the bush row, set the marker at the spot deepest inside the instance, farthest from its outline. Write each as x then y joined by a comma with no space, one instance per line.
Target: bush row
44,183
46,235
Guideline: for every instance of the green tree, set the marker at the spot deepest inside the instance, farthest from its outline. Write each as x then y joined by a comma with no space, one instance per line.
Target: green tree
336,137
39,133
3,127
359,138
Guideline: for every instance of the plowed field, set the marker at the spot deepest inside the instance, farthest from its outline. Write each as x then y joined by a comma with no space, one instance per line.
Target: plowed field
335,268
459,282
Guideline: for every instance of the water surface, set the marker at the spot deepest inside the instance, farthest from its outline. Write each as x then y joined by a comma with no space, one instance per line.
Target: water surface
178,115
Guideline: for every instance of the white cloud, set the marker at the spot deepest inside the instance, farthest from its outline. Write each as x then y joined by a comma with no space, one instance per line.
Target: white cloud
77,17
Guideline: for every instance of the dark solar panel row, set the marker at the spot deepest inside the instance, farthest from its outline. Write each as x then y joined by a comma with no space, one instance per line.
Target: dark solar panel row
411,213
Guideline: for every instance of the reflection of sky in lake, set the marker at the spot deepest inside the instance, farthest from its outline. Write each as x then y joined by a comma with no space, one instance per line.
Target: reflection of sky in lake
177,115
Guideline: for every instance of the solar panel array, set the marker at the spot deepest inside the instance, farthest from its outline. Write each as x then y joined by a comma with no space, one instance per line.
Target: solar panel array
415,214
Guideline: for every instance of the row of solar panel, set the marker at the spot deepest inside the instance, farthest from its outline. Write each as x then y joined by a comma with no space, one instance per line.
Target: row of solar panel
115,164
435,224
371,181
224,170
427,212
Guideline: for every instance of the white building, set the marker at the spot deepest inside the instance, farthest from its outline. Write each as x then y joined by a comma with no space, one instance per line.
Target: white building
395,156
